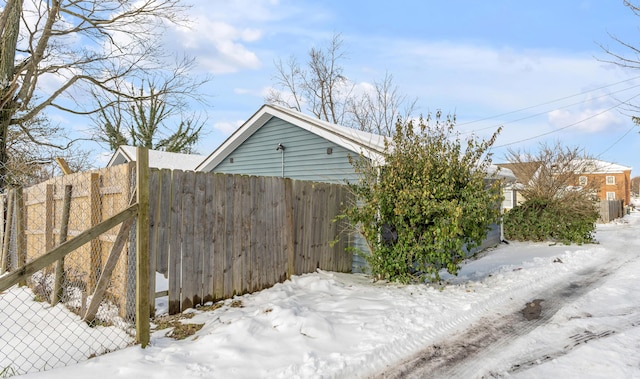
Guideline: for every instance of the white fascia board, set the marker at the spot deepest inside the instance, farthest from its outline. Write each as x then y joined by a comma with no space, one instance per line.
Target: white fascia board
236,139
341,138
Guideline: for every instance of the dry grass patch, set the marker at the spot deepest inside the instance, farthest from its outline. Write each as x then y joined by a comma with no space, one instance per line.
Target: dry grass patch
179,330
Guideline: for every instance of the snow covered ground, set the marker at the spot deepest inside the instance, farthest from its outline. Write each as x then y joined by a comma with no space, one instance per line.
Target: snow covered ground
327,325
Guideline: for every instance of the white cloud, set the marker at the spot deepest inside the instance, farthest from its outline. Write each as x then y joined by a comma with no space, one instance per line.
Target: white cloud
591,120
227,127
267,92
361,88
103,158
494,78
598,112
219,46
223,35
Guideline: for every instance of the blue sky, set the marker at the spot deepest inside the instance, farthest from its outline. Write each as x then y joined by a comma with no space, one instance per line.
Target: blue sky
532,66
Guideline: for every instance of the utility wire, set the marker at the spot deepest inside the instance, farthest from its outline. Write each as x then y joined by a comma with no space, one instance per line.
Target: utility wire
570,125
551,101
618,140
543,112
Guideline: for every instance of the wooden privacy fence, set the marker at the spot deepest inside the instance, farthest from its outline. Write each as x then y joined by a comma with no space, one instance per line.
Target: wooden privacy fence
610,210
218,235
213,235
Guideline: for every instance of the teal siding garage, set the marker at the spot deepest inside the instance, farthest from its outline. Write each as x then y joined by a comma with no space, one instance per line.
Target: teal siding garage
277,141
280,148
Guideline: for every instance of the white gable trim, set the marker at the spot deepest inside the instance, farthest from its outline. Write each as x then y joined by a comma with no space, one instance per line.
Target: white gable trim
369,145
121,156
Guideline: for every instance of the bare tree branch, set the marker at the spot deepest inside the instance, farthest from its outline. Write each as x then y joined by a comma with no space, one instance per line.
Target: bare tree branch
552,171
78,46
322,88
146,116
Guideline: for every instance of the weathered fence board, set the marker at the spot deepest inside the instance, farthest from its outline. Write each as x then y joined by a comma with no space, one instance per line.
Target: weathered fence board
189,269
219,244
175,257
229,246
237,253
200,224
610,210
8,226
154,230
233,234
163,220
208,225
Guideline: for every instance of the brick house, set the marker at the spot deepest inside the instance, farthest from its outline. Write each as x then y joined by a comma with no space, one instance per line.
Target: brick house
612,180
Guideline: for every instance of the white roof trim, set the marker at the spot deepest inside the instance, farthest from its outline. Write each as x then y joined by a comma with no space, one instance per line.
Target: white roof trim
122,155
501,173
368,144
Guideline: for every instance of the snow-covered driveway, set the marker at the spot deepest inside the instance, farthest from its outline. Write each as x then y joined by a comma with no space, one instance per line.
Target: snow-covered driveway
547,336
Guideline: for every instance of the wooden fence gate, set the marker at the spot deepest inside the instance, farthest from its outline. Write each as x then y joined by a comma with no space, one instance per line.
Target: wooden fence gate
219,235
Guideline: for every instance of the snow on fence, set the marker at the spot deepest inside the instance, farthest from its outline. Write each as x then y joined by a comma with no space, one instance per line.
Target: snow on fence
611,210
57,316
218,235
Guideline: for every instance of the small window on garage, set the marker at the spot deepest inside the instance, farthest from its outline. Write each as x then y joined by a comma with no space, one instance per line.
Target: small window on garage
611,180
611,195
582,181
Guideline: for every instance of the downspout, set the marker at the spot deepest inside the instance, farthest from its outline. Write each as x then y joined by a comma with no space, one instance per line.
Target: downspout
281,148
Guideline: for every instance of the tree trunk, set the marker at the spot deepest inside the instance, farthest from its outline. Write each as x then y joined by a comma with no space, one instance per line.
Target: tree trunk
8,43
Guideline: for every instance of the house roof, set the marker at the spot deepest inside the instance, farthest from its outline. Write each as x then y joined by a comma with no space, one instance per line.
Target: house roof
523,171
596,166
504,173
368,144
157,159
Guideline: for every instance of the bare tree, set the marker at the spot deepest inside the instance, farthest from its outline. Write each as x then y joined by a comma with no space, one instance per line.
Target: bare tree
628,61
322,88
320,85
73,47
155,116
619,59
553,172
30,163
377,111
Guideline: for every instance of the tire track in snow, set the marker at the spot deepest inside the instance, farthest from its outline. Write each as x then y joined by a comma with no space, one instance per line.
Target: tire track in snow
462,354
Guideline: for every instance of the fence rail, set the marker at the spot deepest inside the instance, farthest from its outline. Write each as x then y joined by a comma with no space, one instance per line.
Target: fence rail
55,236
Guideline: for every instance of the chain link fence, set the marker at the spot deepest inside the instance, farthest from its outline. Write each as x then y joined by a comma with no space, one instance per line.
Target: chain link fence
82,305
